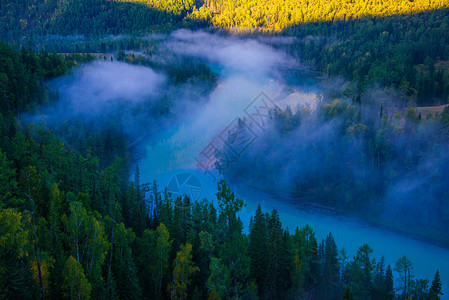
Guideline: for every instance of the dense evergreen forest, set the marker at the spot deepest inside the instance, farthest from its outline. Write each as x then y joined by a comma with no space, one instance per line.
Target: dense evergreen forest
73,227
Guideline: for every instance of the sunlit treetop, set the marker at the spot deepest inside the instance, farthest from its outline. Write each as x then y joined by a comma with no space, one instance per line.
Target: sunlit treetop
284,13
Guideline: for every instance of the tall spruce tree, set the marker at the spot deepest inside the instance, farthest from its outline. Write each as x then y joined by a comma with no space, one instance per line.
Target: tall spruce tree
257,248
274,255
435,289
389,284
331,270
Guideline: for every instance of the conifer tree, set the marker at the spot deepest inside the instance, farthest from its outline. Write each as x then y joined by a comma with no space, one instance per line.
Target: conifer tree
435,289
389,284
257,250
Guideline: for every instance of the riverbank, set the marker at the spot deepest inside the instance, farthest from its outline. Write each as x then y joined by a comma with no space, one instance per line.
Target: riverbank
436,238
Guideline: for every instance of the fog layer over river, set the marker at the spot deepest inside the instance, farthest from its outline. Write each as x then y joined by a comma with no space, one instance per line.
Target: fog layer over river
181,155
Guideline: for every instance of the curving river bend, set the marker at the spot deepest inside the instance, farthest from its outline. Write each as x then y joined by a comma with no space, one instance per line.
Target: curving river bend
348,233
245,68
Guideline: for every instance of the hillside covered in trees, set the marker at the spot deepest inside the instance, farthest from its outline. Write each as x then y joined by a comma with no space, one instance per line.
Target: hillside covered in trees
402,44
74,226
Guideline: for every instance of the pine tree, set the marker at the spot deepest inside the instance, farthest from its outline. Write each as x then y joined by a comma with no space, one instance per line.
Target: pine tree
404,268
435,288
155,205
145,258
274,254
55,226
389,284
306,261
361,272
331,270
234,249
285,262
379,287
166,211
124,267
257,250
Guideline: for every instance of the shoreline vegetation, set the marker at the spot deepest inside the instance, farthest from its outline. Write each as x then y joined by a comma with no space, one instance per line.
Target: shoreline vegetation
437,239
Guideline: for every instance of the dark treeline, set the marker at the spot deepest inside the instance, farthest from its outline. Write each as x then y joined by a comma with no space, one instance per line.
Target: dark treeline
89,17
182,71
22,74
73,227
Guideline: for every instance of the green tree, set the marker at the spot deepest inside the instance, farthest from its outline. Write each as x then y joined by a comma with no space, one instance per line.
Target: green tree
435,289
361,272
219,281
379,286
306,261
75,225
404,269
14,239
162,253
257,250
229,205
419,289
234,249
275,254
183,268
88,242
331,270
55,213
77,285
123,266
203,251
145,259
166,211
56,239
7,181
389,284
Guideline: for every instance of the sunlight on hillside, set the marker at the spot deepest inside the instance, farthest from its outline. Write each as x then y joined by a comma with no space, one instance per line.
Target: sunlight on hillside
285,13
280,14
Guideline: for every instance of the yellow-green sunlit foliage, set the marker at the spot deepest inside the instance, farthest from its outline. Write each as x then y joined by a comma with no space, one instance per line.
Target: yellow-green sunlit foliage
284,13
